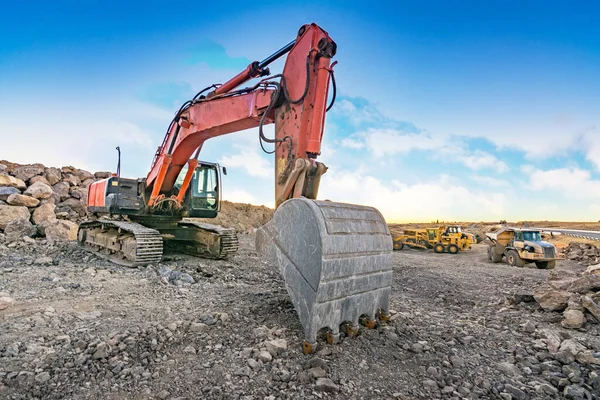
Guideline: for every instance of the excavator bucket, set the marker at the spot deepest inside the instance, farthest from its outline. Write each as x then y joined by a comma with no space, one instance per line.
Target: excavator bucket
336,261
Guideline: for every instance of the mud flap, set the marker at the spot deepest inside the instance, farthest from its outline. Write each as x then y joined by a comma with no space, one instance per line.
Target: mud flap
335,258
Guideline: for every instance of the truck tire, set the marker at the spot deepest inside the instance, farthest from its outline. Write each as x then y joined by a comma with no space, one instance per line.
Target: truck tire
453,249
493,257
398,245
512,257
439,248
424,243
546,264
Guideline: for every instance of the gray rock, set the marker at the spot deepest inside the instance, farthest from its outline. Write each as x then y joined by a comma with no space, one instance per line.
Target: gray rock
53,175
197,327
317,372
515,392
19,228
265,356
544,388
208,319
6,191
62,190
102,174
574,319
276,346
551,300
575,392
252,363
102,350
244,371
42,377
326,385
163,394
509,369
430,385
39,190
528,327
316,362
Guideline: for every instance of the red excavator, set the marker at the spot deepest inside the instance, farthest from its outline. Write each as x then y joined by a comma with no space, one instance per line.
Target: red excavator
335,258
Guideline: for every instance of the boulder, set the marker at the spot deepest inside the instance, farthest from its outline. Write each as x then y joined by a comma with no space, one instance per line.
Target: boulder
75,205
102,175
22,200
69,170
19,228
59,229
26,172
6,191
591,306
585,284
62,190
53,175
12,213
43,213
77,192
593,270
550,299
72,179
39,190
83,174
86,183
11,181
574,319
39,178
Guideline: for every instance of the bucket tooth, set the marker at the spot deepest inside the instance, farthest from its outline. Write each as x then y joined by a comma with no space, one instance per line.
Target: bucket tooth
335,258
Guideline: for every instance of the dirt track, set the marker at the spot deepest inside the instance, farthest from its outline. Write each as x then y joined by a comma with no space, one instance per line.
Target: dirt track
82,327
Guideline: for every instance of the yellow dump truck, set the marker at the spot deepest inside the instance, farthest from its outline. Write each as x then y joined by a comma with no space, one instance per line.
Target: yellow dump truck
442,239
521,246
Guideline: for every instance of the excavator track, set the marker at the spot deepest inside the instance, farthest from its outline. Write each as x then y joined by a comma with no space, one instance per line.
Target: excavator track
122,242
201,240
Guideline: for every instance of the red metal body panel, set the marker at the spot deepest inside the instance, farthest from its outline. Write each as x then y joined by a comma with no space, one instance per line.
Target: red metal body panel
97,193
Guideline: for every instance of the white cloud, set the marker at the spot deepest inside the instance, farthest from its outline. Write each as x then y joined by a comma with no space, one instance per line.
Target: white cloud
441,199
251,160
489,181
569,182
386,142
481,159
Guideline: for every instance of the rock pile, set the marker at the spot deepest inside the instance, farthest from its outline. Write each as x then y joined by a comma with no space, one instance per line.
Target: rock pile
584,253
43,201
576,296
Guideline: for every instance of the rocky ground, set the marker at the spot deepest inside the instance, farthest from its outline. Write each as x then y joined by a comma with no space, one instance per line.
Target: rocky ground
78,327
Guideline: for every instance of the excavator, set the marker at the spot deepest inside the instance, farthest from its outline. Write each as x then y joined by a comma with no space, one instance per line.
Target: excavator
335,258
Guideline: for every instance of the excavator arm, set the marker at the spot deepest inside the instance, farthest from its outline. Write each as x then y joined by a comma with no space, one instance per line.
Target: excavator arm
295,101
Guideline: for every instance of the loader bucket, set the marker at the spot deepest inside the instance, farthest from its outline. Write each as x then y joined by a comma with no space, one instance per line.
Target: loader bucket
335,258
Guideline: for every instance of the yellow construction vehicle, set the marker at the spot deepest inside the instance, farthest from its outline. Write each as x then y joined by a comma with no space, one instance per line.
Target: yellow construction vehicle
442,239
521,246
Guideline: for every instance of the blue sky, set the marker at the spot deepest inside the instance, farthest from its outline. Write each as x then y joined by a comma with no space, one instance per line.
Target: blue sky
449,110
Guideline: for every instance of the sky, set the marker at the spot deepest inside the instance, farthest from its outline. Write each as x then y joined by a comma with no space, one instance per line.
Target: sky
446,110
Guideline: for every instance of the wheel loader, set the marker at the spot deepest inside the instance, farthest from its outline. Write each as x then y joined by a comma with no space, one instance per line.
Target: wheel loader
335,258
520,247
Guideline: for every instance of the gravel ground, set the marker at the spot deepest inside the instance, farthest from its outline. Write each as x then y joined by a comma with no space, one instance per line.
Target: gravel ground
83,328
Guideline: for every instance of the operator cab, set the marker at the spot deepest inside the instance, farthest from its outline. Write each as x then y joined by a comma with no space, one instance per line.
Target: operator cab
203,198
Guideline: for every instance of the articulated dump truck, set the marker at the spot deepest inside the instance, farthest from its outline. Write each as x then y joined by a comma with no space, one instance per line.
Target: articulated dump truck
520,247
